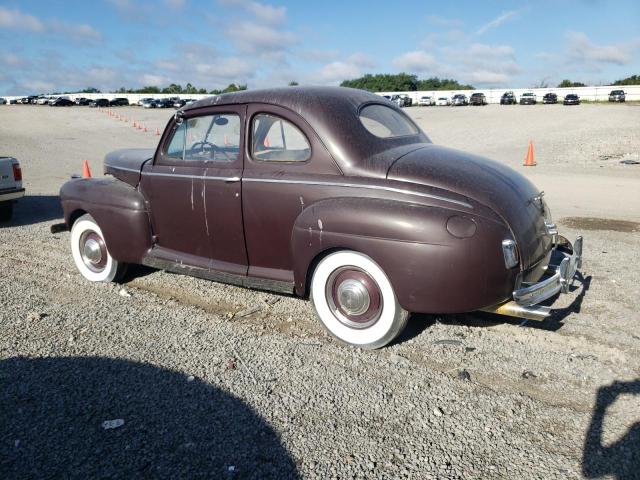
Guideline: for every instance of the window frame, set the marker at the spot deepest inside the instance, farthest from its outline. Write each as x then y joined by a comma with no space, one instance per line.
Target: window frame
162,157
249,142
395,137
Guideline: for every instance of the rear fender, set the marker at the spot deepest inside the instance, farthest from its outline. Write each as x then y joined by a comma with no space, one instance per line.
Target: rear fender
431,270
119,209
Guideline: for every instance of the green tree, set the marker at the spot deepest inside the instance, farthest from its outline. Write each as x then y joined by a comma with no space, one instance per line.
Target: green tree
293,83
568,83
632,80
173,88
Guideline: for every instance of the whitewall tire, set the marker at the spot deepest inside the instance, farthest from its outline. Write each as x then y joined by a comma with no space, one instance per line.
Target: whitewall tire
90,253
355,300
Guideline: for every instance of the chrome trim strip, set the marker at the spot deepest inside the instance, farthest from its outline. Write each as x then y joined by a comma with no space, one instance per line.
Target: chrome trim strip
356,185
106,165
200,177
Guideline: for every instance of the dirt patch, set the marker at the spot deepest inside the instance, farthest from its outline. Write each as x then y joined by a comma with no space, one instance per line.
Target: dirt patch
592,223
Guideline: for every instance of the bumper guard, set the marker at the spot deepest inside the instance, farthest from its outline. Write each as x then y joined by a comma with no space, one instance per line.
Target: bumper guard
526,299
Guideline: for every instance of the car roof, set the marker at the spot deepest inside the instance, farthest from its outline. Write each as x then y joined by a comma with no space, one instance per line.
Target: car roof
332,112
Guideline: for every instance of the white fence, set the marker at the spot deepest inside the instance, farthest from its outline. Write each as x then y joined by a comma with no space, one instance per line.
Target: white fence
595,94
598,94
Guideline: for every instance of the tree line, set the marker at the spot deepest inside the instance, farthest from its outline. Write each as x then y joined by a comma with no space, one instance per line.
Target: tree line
381,82
403,82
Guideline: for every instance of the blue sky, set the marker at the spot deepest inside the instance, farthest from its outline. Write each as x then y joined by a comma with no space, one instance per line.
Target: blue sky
56,45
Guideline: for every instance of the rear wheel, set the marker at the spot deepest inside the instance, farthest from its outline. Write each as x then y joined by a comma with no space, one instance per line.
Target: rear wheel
90,253
355,301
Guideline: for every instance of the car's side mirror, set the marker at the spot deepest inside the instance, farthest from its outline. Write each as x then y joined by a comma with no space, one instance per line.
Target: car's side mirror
178,117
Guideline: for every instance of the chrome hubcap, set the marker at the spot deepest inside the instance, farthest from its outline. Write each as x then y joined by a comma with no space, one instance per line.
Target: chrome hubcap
93,251
353,297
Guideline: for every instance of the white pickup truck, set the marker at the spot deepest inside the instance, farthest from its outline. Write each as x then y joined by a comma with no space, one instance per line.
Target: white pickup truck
10,186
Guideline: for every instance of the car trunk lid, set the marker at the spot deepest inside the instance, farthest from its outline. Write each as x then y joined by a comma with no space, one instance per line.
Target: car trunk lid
497,186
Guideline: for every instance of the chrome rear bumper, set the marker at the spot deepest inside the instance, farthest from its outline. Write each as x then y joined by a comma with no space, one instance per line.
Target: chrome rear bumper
526,298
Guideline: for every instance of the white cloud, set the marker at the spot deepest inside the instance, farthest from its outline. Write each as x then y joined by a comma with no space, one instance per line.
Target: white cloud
15,19
581,50
12,60
262,11
339,70
76,31
175,4
255,38
496,22
444,22
487,77
415,62
493,51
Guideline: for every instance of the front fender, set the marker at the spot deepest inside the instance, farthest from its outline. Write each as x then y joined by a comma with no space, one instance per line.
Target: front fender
431,270
119,209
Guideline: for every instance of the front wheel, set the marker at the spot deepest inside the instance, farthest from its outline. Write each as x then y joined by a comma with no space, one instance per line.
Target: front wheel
90,253
355,300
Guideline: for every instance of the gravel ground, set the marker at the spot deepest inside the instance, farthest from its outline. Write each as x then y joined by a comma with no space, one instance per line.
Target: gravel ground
214,381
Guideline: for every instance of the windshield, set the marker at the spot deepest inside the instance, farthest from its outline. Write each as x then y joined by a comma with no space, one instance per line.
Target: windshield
385,122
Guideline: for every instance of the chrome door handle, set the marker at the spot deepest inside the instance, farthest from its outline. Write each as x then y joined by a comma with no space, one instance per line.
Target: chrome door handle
232,179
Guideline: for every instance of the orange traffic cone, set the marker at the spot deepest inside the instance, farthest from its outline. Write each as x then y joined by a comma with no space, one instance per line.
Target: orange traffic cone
528,160
135,124
86,172
266,142
139,126
157,131
145,129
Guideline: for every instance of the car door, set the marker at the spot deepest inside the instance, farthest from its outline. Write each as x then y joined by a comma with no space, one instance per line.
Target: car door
285,158
194,190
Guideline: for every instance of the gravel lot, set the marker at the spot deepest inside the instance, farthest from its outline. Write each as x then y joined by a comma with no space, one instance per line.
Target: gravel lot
214,381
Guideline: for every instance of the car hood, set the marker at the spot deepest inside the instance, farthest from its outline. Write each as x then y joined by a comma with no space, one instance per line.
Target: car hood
508,193
126,164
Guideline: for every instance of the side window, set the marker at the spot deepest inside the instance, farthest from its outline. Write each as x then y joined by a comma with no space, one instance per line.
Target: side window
176,146
275,139
210,138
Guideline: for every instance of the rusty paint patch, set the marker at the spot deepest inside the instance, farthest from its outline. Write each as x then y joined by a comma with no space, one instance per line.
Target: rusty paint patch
591,223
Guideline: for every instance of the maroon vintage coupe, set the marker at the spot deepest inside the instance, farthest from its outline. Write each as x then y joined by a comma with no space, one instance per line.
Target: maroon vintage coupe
331,193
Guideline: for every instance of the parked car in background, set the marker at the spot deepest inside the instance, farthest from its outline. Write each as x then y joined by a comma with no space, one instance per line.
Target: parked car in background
62,102
10,186
443,101
478,99
3,101
408,101
82,101
550,98
32,99
43,100
617,96
397,100
571,99
118,102
459,100
142,100
426,101
99,102
14,101
149,103
508,98
329,210
528,98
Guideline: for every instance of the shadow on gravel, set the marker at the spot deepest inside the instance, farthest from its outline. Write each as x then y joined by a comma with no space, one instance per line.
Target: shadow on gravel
33,209
621,459
52,412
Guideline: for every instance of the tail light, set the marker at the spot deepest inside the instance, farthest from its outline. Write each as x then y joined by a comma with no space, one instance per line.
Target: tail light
510,252
17,172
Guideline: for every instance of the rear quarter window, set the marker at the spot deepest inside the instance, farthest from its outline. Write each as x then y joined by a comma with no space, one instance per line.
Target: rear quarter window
385,122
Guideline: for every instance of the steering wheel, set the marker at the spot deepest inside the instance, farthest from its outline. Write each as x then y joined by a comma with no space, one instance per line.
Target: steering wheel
202,148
